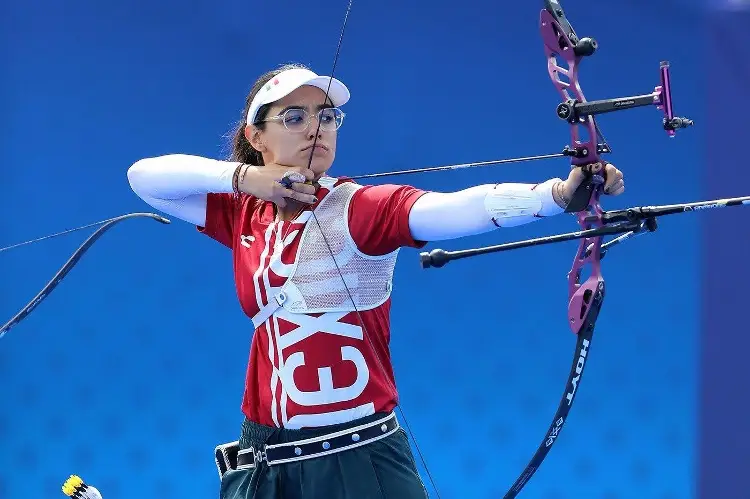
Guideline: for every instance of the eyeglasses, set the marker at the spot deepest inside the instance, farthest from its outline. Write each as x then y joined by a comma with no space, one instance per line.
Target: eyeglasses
298,120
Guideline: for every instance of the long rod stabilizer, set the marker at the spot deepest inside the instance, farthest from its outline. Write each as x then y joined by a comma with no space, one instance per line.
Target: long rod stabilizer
629,222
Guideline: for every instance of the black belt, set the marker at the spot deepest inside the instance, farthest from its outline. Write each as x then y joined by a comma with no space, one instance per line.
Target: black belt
229,457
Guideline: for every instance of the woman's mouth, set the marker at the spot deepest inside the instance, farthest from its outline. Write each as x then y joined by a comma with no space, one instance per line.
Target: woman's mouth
318,148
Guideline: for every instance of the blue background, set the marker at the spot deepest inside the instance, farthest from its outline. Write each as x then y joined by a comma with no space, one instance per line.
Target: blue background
132,371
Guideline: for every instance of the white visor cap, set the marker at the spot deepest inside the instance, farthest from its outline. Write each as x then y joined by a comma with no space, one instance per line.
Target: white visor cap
290,80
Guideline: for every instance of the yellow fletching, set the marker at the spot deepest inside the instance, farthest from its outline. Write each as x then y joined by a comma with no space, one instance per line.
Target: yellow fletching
71,485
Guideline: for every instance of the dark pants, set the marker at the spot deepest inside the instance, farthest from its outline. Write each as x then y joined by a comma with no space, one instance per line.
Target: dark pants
384,469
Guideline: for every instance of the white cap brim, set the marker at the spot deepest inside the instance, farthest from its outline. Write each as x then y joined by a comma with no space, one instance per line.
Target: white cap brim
290,80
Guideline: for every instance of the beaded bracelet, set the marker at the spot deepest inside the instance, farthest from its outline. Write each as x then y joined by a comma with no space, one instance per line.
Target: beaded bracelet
236,179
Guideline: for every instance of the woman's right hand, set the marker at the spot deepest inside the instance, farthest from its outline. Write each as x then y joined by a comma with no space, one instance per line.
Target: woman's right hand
263,182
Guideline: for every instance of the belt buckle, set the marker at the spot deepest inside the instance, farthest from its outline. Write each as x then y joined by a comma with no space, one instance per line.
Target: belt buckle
260,456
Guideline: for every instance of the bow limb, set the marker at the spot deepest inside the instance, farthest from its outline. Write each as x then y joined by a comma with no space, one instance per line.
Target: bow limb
72,261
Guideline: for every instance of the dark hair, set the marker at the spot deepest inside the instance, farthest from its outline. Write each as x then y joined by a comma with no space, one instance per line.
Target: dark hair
242,151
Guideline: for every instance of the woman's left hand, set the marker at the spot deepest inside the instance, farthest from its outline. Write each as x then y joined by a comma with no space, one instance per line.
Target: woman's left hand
614,184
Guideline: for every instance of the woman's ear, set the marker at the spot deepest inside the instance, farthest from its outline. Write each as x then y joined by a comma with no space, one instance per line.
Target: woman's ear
253,136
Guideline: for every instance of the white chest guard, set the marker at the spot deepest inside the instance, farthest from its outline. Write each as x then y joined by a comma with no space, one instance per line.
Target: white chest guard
315,281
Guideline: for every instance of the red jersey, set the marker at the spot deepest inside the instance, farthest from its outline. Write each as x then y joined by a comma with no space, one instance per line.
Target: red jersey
314,369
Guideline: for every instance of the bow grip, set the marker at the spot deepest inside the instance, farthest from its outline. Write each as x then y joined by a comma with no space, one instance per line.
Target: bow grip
584,192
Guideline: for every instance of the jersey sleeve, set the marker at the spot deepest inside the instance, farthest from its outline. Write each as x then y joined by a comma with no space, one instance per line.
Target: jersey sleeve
379,218
221,217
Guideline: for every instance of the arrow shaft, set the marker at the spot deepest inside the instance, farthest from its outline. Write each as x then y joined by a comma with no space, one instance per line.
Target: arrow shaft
521,159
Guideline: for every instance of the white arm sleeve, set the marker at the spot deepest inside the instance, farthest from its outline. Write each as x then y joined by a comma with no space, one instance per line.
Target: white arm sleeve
177,184
437,216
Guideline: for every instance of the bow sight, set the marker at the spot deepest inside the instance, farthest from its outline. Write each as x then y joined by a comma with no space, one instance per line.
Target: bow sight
574,111
561,39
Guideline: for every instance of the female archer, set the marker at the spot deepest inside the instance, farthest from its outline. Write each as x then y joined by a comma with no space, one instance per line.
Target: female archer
313,261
